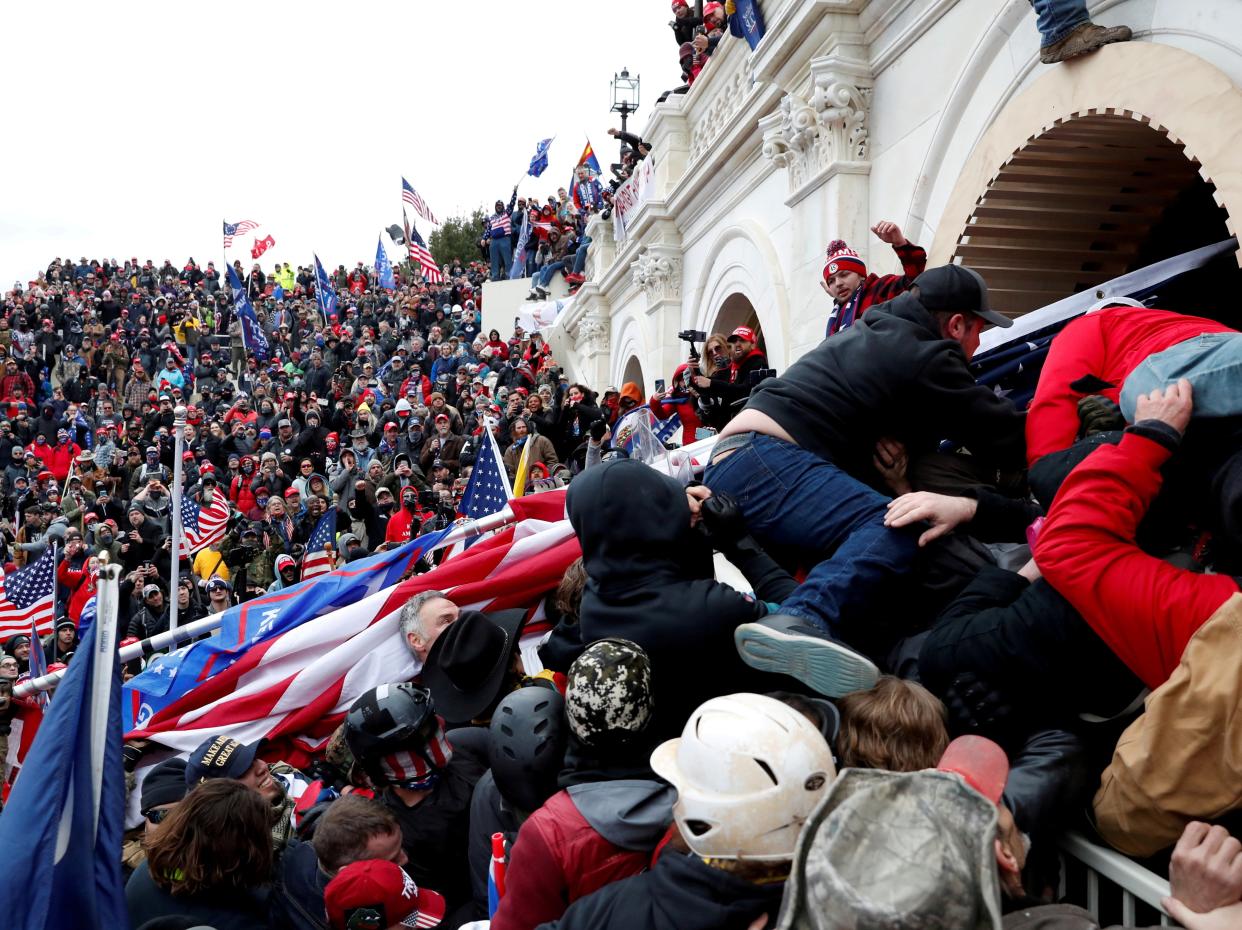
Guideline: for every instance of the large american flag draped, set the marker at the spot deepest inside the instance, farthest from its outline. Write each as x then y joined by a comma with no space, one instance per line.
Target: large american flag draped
26,597
237,229
420,254
411,196
202,526
317,560
294,688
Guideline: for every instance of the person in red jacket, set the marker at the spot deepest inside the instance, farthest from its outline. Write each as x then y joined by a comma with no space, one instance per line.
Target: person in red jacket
1179,631
407,521
60,457
606,822
1094,355
241,495
677,400
853,290
82,583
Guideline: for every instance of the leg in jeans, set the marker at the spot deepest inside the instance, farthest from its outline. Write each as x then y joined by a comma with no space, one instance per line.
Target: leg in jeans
1058,18
581,256
792,497
545,276
506,257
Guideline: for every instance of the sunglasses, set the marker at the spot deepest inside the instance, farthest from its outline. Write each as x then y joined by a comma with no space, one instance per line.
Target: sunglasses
157,815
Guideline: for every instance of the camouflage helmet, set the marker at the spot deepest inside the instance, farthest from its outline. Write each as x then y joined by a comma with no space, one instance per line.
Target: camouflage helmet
608,695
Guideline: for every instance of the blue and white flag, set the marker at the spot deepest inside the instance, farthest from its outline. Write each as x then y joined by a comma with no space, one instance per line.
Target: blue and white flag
324,292
383,267
519,251
747,21
64,820
539,161
38,662
168,677
253,338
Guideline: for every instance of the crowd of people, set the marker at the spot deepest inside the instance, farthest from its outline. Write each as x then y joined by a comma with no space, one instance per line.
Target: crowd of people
965,627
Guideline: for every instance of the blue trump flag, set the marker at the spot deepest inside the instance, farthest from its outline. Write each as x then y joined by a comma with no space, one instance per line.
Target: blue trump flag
746,20
252,333
324,292
62,827
519,251
169,677
539,161
383,267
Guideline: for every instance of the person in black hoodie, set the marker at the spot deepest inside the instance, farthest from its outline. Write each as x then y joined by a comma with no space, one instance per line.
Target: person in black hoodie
800,457
650,579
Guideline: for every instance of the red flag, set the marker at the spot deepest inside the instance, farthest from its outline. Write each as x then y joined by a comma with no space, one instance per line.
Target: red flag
261,245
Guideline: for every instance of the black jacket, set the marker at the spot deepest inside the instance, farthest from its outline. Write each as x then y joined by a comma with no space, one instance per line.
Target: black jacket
891,374
296,901
650,579
233,910
680,893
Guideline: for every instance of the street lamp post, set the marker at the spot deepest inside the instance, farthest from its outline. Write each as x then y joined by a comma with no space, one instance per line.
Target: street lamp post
179,418
625,96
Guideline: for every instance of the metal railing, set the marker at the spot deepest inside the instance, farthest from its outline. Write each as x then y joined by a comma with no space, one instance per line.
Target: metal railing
1089,869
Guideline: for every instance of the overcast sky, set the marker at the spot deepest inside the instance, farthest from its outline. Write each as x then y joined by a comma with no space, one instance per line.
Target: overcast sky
134,128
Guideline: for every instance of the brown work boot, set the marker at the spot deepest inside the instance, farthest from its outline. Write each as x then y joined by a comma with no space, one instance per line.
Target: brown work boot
1086,38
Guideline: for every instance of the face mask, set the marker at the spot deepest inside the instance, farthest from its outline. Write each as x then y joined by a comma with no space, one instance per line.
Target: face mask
105,539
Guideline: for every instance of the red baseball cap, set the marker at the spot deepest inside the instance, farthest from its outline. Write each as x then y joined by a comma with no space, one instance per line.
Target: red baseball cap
744,333
981,762
383,888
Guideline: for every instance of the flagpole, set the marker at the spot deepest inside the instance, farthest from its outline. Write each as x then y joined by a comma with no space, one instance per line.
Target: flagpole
103,668
179,415
55,591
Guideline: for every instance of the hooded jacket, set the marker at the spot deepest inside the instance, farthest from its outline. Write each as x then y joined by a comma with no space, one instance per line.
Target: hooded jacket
680,893
296,901
650,579
583,838
890,374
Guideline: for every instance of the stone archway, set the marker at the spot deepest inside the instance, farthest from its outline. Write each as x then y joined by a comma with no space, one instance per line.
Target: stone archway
633,371
737,310
1113,117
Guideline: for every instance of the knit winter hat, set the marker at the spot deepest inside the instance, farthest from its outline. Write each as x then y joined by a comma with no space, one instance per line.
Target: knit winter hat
608,693
842,258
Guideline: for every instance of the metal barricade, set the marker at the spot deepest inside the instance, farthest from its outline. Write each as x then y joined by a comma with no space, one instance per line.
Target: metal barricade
1112,887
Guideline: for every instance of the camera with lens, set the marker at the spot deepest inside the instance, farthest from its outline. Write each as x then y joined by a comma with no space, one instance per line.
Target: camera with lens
241,555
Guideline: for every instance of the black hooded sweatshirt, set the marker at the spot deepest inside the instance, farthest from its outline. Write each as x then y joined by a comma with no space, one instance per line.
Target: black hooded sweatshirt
650,579
891,374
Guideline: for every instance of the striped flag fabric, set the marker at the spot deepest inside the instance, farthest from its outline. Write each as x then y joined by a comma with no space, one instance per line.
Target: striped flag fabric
202,526
294,688
420,254
26,598
411,196
317,559
237,229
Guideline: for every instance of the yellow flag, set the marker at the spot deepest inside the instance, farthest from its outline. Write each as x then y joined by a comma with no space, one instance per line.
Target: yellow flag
519,477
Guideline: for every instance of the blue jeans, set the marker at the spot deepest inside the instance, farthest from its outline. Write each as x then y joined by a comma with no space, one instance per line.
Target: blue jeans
1211,362
1058,18
791,497
545,275
501,253
581,255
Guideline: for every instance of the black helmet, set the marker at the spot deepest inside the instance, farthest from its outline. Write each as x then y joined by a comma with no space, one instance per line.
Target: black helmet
389,719
527,746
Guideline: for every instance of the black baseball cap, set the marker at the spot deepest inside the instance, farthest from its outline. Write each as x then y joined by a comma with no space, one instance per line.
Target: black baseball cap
959,289
220,757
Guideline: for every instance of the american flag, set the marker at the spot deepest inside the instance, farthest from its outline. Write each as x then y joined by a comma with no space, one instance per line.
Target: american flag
421,254
411,196
38,664
237,229
316,560
295,688
26,598
202,526
488,490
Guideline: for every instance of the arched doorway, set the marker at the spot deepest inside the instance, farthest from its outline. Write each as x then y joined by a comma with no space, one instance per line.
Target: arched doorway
1092,197
737,310
633,372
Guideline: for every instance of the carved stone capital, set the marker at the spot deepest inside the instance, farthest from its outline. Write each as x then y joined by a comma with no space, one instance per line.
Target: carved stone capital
592,335
842,101
658,274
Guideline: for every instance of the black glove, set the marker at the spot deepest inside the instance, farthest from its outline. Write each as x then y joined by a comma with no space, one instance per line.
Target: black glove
723,522
598,428
1098,414
976,706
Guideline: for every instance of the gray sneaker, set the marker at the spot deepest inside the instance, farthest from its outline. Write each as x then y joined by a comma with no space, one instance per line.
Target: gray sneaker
789,645
1086,38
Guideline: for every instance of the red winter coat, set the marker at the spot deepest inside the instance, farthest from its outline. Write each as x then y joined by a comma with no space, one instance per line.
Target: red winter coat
60,457
1145,609
240,493
688,412
1108,344
83,583
557,859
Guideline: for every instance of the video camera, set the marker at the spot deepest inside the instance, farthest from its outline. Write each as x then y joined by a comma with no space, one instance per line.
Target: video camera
692,336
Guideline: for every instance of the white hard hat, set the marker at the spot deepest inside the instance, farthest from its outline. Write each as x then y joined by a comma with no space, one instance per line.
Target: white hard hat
748,771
